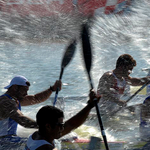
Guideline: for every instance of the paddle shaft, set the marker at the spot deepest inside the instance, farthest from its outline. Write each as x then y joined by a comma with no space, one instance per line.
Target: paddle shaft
68,55
120,108
99,116
87,53
101,126
141,88
60,77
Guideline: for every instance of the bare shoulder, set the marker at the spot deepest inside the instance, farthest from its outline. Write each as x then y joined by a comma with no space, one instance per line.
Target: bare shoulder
45,147
107,76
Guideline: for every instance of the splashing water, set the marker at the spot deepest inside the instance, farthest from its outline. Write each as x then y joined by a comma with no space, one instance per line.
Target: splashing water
23,42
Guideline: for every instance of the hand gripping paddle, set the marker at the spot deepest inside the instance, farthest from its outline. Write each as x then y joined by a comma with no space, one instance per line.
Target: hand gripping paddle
87,53
68,55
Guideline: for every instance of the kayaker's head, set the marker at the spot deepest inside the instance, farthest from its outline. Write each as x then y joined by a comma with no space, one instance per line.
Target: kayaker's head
125,64
18,87
50,121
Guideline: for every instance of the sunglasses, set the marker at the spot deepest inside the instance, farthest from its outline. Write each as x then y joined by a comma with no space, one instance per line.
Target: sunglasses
61,125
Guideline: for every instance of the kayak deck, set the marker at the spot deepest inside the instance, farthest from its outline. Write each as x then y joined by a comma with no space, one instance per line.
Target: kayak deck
93,144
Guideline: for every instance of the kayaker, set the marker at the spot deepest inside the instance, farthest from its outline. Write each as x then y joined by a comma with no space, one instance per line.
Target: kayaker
52,126
112,84
10,108
144,126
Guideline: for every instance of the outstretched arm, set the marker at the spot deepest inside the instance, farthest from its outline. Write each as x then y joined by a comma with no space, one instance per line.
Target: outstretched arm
42,96
138,81
23,120
81,116
8,109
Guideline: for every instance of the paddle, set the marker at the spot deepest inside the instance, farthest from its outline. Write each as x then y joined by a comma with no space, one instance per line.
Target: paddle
87,53
142,87
68,55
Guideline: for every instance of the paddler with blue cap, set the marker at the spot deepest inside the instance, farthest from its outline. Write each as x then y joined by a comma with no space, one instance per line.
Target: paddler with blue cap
10,108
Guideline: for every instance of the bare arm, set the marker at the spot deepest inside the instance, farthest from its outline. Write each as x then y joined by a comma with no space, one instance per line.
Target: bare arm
23,120
40,97
76,121
37,98
80,117
8,109
137,81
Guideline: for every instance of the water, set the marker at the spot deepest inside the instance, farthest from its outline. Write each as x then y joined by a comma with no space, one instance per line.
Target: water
38,58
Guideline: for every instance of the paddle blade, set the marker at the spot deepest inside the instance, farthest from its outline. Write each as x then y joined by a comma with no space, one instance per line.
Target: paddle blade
86,47
68,55
87,53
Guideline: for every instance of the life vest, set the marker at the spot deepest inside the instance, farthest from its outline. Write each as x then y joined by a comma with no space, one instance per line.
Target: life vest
8,126
34,144
119,85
